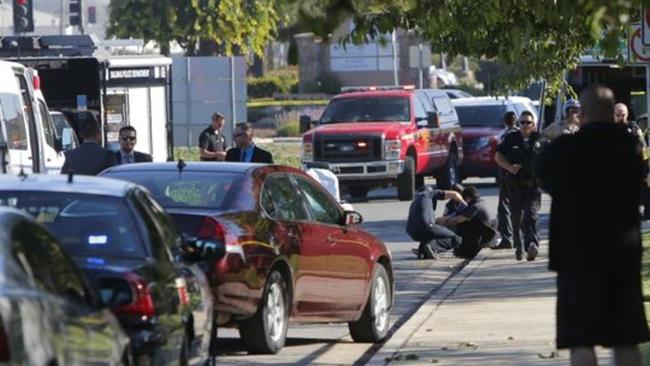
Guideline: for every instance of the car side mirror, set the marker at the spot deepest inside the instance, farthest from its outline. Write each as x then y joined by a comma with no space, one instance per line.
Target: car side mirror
58,144
201,249
433,120
352,218
4,157
422,123
305,123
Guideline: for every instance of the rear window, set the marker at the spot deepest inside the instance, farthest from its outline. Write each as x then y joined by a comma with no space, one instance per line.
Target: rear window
367,109
84,224
481,115
190,189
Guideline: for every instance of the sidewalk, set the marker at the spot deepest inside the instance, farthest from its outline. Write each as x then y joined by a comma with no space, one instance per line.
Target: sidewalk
496,311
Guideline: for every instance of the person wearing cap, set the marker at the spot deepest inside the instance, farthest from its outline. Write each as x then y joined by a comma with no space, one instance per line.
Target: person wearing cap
212,142
568,126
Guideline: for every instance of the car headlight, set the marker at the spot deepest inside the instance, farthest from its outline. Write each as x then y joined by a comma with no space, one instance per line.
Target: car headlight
307,151
392,149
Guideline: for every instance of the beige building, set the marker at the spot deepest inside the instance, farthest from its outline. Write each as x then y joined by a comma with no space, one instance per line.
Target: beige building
371,63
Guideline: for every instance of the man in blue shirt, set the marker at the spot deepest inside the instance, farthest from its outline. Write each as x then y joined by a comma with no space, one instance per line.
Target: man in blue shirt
246,151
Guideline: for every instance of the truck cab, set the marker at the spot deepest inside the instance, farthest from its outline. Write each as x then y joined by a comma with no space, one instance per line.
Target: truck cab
379,136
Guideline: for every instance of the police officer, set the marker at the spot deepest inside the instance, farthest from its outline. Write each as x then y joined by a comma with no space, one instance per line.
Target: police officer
569,125
503,210
621,114
516,154
212,142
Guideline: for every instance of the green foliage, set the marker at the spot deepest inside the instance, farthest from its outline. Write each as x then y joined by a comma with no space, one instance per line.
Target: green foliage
235,26
274,82
325,83
533,39
289,130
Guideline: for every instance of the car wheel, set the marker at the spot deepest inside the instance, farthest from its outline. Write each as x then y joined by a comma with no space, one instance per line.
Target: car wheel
358,191
448,176
266,331
373,324
406,180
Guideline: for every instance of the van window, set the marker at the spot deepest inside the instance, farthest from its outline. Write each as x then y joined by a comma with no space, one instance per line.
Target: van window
48,128
14,121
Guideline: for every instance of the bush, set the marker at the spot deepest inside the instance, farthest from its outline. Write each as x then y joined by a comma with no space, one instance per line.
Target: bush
325,83
288,130
274,82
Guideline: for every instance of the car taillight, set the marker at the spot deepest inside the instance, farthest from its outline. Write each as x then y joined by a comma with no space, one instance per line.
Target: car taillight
142,303
211,228
36,80
5,352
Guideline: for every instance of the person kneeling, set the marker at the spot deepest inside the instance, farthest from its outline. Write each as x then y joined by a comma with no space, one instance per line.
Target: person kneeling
421,225
472,223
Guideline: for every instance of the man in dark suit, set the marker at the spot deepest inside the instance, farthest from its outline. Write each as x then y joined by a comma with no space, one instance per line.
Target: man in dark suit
89,158
246,151
126,154
594,177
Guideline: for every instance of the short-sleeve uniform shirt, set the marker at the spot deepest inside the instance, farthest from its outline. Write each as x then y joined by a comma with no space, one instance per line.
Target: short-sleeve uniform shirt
212,141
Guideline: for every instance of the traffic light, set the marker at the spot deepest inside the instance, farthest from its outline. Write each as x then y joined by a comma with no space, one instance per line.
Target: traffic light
76,14
23,16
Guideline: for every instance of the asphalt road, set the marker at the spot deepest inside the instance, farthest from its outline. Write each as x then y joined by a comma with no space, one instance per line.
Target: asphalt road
330,344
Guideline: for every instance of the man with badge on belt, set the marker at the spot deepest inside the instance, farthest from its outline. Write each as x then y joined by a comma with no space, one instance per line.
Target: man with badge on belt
516,154
212,142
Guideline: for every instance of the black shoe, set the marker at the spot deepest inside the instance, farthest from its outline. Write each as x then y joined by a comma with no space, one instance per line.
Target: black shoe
519,255
532,253
502,246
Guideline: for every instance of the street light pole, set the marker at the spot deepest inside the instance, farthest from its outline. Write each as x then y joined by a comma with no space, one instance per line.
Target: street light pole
394,41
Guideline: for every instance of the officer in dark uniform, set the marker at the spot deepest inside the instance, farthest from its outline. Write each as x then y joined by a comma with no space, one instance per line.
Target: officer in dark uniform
516,154
212,142
503,210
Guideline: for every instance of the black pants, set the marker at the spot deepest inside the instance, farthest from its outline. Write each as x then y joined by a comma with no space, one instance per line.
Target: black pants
525,203
440,238
475,235
503,215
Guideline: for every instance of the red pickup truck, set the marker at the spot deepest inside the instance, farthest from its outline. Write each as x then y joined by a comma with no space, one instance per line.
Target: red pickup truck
378,136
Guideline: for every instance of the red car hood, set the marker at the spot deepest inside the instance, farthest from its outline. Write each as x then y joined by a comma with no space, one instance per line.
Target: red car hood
389,128
478,132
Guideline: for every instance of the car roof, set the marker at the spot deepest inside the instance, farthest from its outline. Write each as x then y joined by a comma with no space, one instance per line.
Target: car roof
59,183
474,101
375,93
190,166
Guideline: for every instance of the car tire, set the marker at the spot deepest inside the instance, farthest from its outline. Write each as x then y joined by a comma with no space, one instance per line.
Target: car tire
406,181
358,191
448,176
266,331
372,327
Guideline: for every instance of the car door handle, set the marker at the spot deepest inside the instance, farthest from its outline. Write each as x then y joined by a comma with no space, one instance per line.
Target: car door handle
330,239
292,235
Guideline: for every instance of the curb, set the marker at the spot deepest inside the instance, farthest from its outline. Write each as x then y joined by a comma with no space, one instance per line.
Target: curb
401,337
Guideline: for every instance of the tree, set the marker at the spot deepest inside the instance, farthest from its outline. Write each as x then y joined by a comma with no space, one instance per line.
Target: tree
533,39
230,26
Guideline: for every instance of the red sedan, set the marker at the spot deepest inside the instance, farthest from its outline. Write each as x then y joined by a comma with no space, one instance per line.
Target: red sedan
292,251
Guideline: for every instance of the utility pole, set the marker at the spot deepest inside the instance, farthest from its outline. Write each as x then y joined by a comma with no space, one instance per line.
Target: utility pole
394,43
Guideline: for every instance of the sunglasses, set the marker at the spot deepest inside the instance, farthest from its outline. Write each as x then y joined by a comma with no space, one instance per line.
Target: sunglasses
526,122
128,138
572,111
239,134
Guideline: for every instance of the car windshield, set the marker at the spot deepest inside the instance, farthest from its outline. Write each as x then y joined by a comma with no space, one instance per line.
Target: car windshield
481,115
209,190
85,224
367,109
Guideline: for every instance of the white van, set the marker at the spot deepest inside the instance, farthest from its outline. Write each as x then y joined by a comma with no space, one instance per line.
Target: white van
52,146
20,136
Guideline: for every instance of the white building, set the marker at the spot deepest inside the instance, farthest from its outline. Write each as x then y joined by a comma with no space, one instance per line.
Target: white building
51,17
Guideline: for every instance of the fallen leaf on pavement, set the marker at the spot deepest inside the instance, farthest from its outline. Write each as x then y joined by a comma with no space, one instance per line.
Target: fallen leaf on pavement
511,338
550,355
411,357
434,361
429,330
